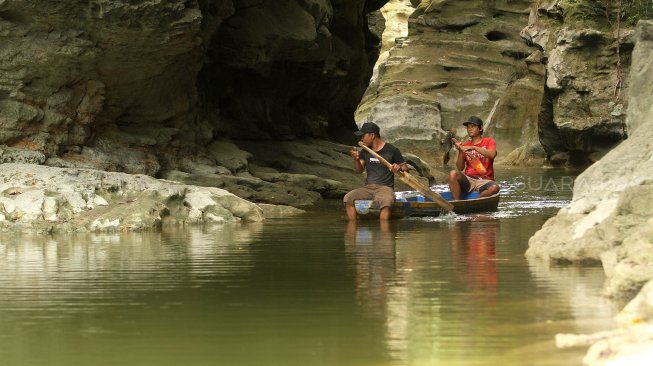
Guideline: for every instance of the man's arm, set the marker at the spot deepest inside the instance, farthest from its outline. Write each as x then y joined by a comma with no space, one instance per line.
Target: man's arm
460,162
398,167
487,152
359,165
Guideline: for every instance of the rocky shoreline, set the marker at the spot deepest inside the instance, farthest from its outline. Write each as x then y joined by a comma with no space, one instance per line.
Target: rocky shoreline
43,199
610,221
237,186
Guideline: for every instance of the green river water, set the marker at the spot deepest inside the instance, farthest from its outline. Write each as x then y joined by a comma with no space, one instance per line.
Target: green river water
311,290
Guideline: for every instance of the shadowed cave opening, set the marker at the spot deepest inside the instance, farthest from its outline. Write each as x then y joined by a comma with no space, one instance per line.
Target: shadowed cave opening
495,36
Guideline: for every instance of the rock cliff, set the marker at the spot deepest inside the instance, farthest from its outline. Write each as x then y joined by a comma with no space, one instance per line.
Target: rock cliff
610,221
166,88
587,54
549,77
245,95
609,217
459,58
169,88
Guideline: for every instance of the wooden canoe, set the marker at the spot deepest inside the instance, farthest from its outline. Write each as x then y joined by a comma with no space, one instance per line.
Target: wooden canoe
420,206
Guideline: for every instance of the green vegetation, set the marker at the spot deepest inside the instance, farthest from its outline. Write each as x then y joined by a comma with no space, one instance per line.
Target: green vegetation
634,10
582,12
587,13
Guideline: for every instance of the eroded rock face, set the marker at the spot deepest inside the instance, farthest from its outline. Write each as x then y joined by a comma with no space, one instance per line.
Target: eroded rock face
164,88
550,77
84,80
460,58
609,218
288,69
587,60
131,86
35,198
641,79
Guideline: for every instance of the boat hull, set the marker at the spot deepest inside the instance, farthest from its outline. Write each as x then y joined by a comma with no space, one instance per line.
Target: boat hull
420,207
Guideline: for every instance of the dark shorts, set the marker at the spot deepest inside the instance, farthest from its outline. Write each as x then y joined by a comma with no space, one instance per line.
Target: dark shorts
471,184
383,195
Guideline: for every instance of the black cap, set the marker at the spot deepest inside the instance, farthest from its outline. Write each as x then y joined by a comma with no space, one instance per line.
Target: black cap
368,127
475,121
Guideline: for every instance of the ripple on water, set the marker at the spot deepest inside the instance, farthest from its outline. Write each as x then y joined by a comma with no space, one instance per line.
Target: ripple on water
515,201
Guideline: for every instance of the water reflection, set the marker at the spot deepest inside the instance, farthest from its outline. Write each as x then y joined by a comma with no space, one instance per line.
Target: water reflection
451,292
56,273
579,287
381,287
307,290
410,278
474,247
373,251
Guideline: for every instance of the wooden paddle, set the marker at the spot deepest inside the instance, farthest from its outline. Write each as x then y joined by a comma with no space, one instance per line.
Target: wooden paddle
412,181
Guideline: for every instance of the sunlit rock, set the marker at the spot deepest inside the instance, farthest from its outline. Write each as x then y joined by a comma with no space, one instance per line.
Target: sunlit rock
45,199
641,79
609,218
459,58
587,63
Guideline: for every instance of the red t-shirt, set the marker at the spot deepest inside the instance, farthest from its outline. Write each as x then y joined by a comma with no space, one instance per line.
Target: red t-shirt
488,143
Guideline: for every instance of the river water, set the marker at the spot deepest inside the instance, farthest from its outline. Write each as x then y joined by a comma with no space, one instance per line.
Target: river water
312,290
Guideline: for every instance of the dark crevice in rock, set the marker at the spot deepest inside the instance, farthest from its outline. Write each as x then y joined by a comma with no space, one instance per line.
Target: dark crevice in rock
13,17
551,13
374,5
547,131
496,36
451,68
517,55
268,78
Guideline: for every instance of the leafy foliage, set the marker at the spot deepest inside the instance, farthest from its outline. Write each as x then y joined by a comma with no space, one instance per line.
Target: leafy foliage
634,10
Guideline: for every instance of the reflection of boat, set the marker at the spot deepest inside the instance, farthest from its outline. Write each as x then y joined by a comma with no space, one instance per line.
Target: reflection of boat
420,206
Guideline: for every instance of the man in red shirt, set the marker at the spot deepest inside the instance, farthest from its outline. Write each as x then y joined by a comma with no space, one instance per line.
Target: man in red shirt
478,177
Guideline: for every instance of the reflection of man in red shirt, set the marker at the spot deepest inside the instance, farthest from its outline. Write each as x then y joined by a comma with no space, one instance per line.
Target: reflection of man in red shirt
475,159
481,257
476,245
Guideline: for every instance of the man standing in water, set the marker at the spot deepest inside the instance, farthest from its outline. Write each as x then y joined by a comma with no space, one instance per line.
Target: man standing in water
380,181
472,177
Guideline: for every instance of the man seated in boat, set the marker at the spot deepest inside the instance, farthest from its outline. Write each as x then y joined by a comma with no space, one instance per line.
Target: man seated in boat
380,181
475,171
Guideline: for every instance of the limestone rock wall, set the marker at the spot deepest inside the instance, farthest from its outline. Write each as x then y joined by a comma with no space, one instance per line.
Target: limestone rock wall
86,75
167,88
143,86
640,91
288,69
587,55
611,213
550,78
460,58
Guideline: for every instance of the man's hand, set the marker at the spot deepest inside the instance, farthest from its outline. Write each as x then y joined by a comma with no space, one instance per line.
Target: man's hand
396,168
358,164
355,153
456,144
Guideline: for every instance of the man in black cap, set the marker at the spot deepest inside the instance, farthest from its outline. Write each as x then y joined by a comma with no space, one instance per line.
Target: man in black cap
379,184
475,163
